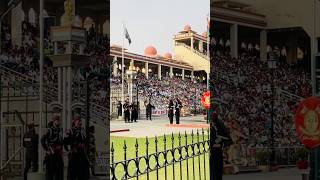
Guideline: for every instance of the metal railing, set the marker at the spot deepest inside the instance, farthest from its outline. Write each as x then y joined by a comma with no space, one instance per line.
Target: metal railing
290,96
98,113
185,156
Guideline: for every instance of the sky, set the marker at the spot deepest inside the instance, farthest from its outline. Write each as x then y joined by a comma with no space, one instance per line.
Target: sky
154,22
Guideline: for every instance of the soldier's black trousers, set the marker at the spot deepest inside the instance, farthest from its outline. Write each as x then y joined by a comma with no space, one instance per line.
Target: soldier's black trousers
54,167
28,166
79,167
177,118
171,119
217,158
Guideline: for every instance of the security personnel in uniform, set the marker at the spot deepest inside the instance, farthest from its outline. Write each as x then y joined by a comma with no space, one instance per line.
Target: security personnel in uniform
30,142
149,108
126,108
52,142
220,138
170,111
119,107
79,166
178,106
134,112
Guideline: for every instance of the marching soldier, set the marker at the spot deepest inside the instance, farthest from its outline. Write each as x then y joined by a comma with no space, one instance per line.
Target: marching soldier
52,142
30,142
149,108
126,108
220,138
119,107
170,111
78,167
134,112
178,106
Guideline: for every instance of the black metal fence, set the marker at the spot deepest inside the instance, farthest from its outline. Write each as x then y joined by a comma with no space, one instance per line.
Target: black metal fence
167,157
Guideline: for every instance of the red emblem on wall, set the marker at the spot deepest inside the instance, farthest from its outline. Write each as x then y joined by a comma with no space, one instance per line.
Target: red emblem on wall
307,121
205,100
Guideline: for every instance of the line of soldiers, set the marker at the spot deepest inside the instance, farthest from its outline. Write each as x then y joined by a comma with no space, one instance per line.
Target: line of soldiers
174,109
131,112
53,142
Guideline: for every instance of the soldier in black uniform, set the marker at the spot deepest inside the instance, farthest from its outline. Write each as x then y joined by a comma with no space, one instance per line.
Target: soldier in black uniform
119,107
149,108
134,112
221,139
170,111
79,166
126,108
30,142
178,106
52,142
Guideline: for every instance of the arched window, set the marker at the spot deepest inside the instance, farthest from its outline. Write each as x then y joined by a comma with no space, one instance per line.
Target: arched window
32,16
88,22
106,27
77,21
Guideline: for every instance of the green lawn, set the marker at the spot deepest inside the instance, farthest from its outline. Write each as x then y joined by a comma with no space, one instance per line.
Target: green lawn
191,165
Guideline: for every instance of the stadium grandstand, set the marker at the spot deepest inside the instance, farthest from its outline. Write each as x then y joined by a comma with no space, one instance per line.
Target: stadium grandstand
19,70
159,78
247,38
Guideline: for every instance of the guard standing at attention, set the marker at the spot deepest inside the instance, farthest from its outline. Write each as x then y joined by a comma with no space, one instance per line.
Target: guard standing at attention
126,108
221,139
79,166
170,111
119,107
178,106
30,142
134,112
149,108
52,142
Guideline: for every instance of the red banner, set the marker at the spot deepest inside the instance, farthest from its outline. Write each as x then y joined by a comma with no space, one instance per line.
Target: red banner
205,100
307,122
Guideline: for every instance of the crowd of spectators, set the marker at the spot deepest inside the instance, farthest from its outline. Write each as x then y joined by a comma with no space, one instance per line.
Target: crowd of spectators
24,59
246,87
161,91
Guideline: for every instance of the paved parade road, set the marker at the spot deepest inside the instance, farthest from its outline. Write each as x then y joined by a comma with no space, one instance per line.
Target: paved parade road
157,127
282,174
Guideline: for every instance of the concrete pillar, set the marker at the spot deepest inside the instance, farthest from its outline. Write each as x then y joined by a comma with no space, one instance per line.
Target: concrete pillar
263,45
159,71
60,82
147,69
192,76
201,46
115,66
69,98
292,50
183,74
64,98
191,43
16,25
234,40
171,71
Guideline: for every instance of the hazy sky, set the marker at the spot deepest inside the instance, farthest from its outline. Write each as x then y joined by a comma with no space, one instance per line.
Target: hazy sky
154,22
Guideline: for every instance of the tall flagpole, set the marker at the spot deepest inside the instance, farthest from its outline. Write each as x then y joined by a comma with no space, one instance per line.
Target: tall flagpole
208,49
41,86
122,73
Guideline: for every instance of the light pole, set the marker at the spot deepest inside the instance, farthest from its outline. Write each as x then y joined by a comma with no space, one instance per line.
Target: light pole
272,65
12,4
